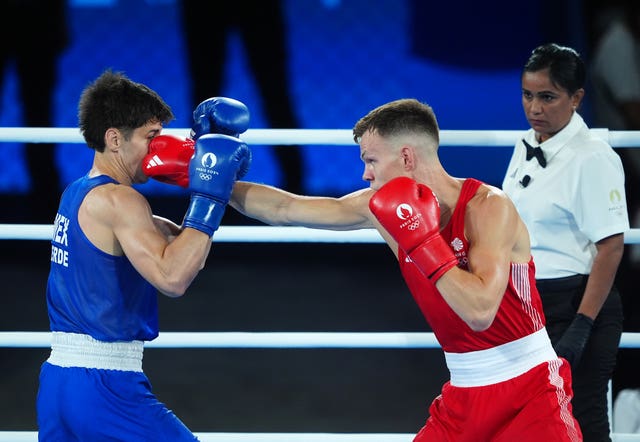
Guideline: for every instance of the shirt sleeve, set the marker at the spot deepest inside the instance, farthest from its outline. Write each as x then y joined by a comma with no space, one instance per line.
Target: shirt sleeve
600,201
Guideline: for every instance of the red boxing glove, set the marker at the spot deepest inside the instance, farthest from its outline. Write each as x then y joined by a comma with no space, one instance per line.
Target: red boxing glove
410,212
168,159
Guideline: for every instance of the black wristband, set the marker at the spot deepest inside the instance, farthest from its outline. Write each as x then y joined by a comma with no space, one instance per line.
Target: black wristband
584,320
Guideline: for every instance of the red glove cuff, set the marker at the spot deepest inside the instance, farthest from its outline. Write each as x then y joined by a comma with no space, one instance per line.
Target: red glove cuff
434,257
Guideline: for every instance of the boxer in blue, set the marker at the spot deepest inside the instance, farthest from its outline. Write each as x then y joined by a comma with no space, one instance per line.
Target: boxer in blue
110,256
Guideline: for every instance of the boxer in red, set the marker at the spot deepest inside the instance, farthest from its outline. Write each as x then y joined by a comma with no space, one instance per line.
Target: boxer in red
465,255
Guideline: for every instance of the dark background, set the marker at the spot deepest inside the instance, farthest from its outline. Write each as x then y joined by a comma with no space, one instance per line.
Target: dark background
345,57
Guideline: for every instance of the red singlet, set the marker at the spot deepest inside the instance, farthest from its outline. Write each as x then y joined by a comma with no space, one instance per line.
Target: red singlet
506,382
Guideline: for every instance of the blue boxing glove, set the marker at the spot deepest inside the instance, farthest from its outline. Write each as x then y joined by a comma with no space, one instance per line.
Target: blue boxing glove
220,115
218,161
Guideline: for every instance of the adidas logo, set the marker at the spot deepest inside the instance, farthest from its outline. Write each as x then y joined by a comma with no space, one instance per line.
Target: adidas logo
154,161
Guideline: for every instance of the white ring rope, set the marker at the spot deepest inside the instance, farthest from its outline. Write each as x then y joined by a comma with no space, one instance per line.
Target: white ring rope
26,436
400,340
32,436
338,137
225,234
252,234
505,138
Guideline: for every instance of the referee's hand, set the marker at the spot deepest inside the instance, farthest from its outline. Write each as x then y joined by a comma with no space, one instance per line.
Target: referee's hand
571,345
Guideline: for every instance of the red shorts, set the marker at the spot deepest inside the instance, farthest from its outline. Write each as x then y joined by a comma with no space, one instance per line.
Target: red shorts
532,407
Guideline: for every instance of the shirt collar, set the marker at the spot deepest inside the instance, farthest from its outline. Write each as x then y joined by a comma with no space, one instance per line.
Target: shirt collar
554,144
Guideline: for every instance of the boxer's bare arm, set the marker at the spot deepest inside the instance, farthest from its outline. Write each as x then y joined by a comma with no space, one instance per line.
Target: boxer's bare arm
118,220
278,207
167,227
493,228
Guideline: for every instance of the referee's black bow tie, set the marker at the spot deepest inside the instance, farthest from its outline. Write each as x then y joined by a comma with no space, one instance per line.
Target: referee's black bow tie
535,152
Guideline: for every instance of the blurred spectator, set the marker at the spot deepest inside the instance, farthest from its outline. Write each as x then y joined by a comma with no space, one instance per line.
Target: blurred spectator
616,69
616,83
626,411
33,36
616,105
261,26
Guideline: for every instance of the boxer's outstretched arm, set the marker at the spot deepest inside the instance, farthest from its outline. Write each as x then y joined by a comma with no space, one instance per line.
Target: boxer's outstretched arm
277,207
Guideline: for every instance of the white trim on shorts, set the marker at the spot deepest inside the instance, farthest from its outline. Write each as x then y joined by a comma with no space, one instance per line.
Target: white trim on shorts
500,363
78,350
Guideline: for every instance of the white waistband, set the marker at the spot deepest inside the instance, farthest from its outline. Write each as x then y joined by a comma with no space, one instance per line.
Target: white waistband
501,363
78,350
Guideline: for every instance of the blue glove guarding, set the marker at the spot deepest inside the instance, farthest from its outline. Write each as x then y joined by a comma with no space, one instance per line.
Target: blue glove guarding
218,161
220,115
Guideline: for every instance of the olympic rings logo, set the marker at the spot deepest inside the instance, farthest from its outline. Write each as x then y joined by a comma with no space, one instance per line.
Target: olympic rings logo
206,176
414,225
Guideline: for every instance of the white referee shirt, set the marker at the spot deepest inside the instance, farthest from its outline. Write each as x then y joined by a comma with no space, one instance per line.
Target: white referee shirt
577,200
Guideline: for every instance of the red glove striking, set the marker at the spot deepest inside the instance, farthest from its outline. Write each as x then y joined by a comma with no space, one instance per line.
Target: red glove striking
168,159
410,212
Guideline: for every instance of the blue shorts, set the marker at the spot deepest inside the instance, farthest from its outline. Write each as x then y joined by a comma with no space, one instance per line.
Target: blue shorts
88,404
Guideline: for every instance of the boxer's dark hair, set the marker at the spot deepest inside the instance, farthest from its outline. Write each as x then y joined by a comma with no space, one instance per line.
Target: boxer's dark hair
114,101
